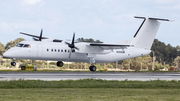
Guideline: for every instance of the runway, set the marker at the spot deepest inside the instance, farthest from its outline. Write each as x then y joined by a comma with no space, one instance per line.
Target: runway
49,76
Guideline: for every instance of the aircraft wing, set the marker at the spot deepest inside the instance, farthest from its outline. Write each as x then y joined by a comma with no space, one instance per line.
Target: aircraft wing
33,35
110,46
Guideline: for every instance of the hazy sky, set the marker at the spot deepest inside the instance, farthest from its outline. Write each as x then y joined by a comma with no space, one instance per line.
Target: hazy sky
105,20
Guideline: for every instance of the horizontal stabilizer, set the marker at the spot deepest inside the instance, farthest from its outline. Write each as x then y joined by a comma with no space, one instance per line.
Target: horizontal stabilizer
152,18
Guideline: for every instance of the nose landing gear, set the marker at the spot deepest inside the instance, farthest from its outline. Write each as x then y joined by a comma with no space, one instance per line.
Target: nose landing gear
13,63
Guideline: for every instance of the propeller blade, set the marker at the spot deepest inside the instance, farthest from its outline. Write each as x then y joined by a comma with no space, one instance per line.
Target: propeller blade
35,39
76,48
70,54
67,43
73,39
35,36
41,35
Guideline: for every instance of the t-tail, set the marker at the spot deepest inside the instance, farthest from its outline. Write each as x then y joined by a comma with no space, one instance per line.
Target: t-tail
146,33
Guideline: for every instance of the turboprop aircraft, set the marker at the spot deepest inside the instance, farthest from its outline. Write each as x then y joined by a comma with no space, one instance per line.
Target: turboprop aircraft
61,50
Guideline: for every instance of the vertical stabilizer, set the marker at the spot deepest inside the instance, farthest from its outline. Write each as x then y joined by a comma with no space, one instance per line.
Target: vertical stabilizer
146,33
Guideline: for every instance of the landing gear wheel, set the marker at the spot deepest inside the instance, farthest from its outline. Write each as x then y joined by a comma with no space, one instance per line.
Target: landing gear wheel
60,63
13,63
92,68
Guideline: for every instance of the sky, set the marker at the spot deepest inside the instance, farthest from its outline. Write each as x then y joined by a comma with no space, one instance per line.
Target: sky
105,20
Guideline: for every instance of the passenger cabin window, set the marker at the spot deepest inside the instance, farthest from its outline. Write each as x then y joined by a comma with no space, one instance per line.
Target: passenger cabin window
58,50
55,50
47,49
52,50
27,46
19,45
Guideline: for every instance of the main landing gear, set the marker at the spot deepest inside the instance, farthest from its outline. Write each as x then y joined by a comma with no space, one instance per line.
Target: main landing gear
60,63
92,67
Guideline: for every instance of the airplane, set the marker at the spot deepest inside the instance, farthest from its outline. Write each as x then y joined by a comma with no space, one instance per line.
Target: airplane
62,50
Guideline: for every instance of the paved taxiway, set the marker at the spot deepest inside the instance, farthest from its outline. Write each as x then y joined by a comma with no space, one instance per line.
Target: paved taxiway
142,76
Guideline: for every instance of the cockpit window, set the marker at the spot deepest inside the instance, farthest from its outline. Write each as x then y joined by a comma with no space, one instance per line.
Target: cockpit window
23,45
19,45
27,45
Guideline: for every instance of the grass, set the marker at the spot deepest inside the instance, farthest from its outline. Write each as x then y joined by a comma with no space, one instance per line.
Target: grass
89,94
89,83
89,90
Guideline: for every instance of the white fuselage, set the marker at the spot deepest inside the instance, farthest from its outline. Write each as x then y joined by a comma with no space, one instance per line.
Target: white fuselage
60,52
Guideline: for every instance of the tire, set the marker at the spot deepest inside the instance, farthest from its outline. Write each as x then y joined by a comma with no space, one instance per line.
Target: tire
92,68
13,63
60,64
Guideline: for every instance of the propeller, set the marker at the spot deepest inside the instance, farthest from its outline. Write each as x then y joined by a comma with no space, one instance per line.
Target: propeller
41,35
72,46
38,38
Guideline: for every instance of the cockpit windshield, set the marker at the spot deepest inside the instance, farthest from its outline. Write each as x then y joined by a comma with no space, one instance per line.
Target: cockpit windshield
19,45
23,45
27,45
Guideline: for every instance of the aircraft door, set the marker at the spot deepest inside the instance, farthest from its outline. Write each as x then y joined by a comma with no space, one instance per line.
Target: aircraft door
39,53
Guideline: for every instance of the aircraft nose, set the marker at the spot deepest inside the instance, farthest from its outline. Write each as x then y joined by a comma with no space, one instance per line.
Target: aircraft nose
6,55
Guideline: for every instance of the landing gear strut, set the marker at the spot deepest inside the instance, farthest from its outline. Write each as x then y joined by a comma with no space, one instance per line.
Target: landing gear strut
92,68
60,63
